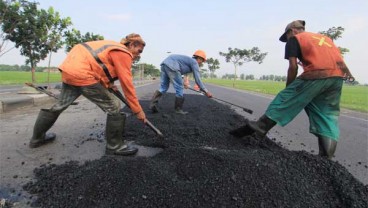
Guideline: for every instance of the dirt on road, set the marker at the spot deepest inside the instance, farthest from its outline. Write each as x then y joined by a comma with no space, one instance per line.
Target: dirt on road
201,165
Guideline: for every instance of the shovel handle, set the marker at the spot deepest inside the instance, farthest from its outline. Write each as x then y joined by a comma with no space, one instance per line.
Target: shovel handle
244,109
156,130
46,92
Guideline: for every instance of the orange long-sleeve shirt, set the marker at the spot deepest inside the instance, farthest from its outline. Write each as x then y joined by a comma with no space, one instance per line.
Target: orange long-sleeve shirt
123,62
81,69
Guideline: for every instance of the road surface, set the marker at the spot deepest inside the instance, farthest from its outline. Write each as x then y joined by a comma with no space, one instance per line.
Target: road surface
79,126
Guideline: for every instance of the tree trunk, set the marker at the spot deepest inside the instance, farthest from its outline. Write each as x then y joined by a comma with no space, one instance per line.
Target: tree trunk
48,73
33,75
234,77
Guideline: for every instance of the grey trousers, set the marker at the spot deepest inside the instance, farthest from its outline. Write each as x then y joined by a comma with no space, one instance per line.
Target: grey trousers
96,93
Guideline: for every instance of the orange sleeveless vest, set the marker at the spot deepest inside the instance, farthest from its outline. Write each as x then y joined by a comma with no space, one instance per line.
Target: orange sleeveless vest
89,63
320,56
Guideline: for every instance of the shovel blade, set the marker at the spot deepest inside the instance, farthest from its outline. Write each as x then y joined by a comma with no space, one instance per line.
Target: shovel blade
242,131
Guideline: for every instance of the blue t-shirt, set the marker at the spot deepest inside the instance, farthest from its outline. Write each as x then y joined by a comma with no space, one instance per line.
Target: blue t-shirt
184,64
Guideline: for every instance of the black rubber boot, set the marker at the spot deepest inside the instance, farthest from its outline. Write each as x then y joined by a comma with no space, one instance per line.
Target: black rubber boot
179,101
44,122
327,147
260,127
115,125
242,131
154,101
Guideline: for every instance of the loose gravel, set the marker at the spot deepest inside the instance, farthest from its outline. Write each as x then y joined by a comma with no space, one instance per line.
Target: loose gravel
201,165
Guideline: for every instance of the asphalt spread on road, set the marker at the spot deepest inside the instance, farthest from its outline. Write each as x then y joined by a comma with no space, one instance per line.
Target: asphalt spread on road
201,165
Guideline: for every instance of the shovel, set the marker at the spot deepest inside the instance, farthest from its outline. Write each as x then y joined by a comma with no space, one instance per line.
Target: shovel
46,92
242,131
244,109
148,123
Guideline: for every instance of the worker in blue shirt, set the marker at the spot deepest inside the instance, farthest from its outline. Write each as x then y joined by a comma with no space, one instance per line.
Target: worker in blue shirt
172,69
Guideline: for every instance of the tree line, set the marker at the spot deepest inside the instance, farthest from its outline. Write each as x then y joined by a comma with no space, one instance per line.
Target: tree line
38,33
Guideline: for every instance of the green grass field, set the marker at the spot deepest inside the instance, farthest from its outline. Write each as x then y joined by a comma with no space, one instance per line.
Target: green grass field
353,97
18,77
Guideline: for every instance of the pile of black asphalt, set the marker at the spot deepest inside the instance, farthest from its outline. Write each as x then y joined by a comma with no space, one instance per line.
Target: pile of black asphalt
201,165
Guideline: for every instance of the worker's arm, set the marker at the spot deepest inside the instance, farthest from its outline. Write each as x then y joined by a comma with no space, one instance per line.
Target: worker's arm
197,77
292,54
123,62
292,70
345,69
186,82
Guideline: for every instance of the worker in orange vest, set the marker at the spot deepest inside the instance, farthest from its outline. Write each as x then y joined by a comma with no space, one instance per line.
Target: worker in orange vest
90,69
172,69
317,90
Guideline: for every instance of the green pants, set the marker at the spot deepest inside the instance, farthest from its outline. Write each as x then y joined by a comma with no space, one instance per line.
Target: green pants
319,98
95,93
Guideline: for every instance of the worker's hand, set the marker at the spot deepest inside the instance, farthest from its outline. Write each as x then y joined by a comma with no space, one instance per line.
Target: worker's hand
349,79
186,86
113,87
141,116
208,94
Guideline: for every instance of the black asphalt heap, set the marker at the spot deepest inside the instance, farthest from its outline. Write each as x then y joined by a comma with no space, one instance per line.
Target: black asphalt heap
201,166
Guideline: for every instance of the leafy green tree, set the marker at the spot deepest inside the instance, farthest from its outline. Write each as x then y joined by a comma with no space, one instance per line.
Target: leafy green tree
35,32
228,76
27,34
9,18
335,33
249,77
54,26
74,36
148,69
213,65
240,56
204,73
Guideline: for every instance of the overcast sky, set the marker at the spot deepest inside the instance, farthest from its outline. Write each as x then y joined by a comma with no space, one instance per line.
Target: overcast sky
182,27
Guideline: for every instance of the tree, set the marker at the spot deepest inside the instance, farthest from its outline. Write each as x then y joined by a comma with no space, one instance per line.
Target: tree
204,73
54,26
213,65
335,33
74,36
249,77
35,32
239,56
148,69
27,35
9,18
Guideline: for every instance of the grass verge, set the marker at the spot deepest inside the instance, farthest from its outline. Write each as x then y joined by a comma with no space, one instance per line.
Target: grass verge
352,98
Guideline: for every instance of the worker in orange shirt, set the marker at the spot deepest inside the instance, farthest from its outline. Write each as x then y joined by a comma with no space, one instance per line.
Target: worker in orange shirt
90,69
317,90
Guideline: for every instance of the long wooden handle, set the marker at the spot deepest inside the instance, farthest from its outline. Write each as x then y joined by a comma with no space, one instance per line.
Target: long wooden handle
46,92
244,109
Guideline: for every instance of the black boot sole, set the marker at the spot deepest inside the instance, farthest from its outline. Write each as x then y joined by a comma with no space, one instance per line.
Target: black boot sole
126,152
242,131
154,109
50,137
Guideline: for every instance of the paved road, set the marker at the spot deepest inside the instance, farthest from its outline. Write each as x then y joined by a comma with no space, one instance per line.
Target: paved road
79,126
6,89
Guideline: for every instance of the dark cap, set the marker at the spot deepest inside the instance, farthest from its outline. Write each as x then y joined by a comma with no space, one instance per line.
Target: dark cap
293,24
